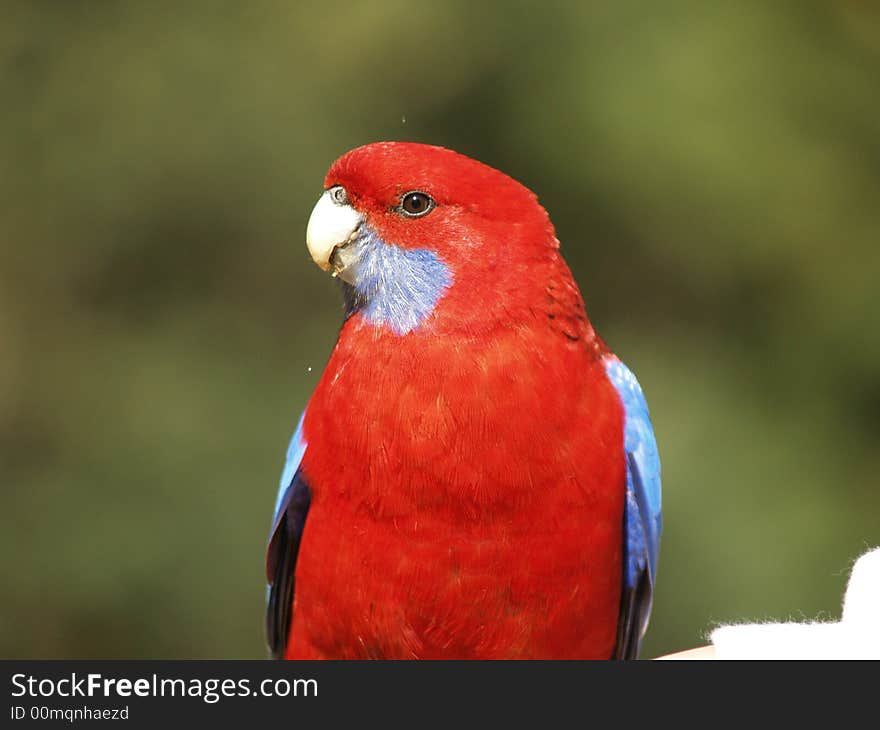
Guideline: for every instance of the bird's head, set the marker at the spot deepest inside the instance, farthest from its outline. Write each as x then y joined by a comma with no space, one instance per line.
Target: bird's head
421,234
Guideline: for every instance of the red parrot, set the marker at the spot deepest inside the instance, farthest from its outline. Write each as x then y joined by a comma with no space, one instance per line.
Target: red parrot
475,475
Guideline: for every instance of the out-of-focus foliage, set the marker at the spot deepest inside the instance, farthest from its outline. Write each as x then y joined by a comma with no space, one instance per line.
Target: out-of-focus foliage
713,170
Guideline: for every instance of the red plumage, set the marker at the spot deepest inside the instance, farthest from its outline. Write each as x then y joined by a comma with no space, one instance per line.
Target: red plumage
467,478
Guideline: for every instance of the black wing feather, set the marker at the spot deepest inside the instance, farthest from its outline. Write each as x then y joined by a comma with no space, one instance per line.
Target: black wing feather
637,586
281,563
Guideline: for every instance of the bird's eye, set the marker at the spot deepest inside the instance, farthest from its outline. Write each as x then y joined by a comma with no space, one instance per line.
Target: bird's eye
416,204
338,195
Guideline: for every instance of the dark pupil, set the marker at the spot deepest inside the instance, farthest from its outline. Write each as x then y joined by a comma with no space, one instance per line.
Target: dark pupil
414,203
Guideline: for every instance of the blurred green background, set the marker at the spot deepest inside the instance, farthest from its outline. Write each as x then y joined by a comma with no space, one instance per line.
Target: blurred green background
713,170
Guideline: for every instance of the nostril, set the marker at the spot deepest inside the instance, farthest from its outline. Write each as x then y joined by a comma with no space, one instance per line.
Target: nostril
339,195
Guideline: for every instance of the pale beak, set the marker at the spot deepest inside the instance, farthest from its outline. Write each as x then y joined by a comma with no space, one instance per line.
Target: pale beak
331,226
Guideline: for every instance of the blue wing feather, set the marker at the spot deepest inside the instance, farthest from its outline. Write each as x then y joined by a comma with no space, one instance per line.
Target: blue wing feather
642,512
291,508
295,452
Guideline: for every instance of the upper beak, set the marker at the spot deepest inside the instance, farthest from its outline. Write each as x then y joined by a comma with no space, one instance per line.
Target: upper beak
331,226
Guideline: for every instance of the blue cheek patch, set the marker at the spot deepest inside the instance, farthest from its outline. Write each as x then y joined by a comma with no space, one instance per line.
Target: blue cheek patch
394,286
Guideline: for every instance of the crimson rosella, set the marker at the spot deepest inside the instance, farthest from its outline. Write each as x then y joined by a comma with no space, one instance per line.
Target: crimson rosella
475,474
